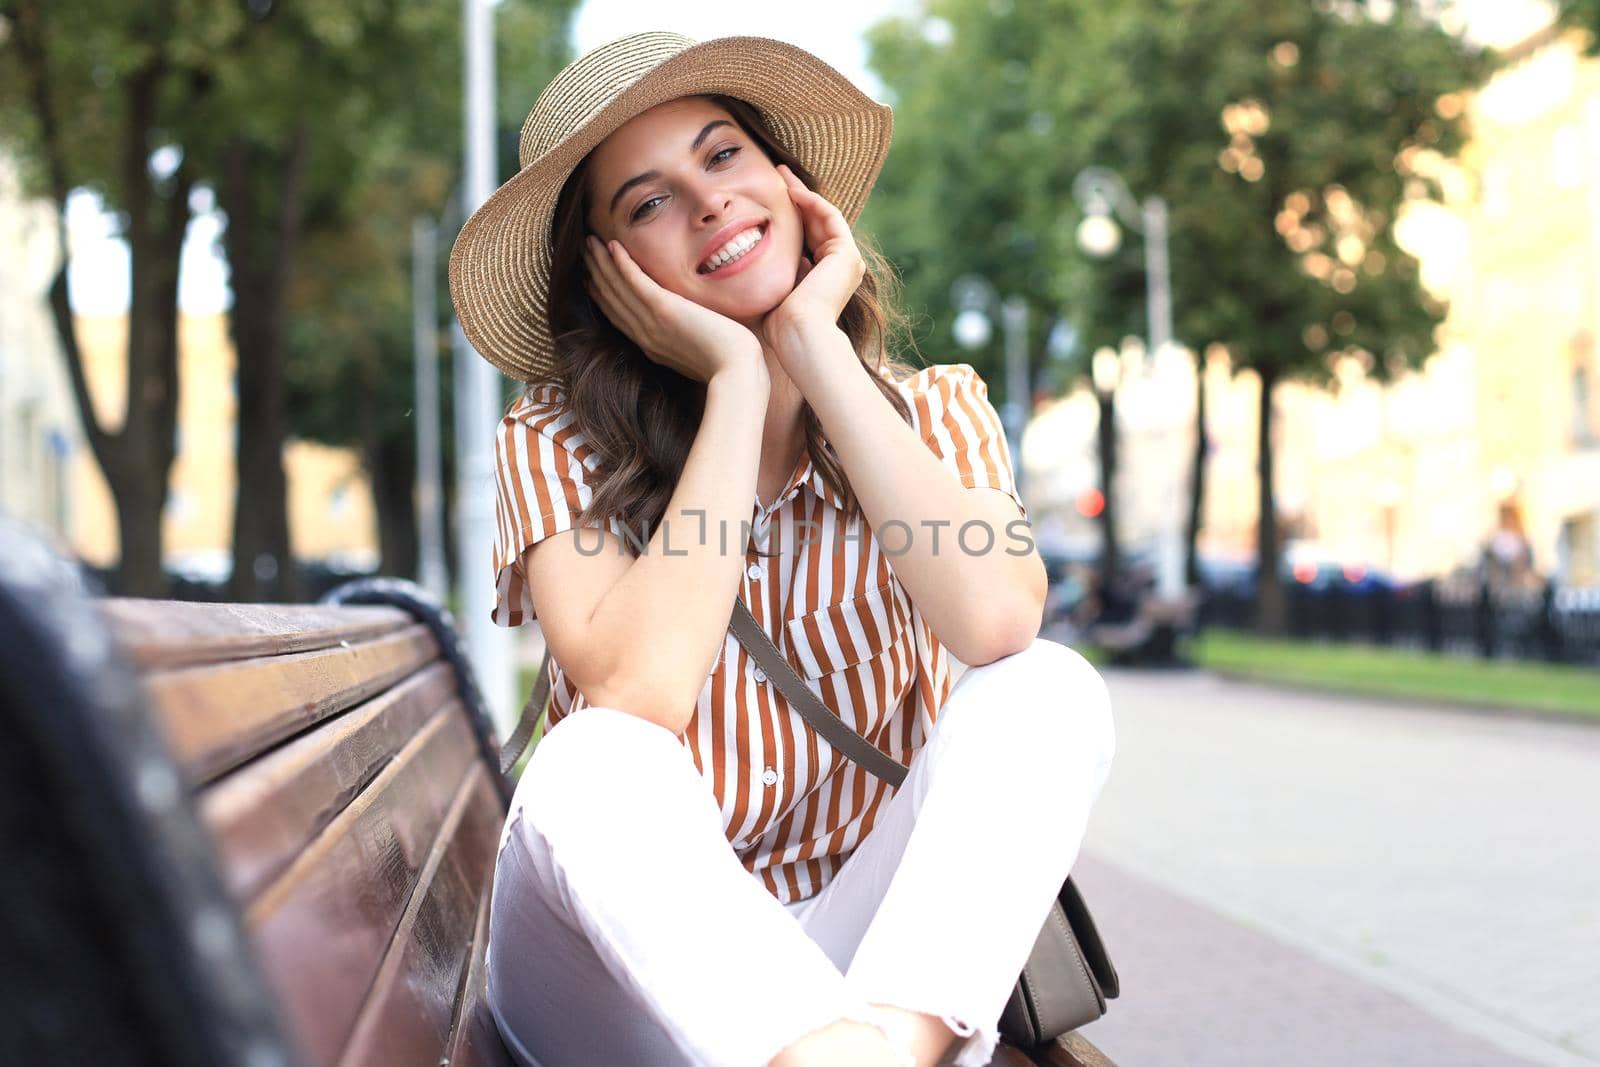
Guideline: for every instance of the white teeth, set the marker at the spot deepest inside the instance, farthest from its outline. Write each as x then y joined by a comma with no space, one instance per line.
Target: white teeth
733,249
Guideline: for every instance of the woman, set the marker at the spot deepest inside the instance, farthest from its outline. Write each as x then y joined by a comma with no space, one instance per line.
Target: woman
688,873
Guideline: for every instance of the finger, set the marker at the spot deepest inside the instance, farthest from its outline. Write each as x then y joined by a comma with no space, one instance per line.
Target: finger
806,196
632,274
602,277
616,287
821,220
618,304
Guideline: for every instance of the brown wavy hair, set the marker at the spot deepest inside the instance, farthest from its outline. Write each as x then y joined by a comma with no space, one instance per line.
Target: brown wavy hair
642,417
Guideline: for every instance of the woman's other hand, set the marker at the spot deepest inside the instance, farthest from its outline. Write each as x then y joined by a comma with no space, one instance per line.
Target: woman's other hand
824,286
670,329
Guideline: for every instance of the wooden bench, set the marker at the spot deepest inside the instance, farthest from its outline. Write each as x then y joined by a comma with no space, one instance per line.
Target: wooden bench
252,835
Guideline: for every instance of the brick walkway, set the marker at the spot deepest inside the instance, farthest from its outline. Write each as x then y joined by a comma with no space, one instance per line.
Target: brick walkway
1288,878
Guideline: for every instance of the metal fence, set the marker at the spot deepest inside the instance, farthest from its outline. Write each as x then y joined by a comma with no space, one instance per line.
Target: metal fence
1462,616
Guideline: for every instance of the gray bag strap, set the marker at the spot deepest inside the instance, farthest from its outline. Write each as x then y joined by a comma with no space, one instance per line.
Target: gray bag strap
800,697
512,750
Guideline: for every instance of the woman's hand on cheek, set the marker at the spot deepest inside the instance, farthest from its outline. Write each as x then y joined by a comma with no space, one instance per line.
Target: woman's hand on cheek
824,287
670,329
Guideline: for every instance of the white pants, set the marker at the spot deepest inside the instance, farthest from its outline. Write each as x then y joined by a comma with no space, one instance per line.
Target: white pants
624,930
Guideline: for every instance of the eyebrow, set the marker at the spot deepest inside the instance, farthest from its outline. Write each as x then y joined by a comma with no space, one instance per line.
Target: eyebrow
652,175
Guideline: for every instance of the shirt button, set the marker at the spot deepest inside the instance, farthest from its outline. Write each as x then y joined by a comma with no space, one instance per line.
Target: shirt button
753,572
769,776
761,676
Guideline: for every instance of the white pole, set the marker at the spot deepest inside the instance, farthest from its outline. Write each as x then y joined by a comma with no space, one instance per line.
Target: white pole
425,334
1158,279
477,405
1158,274
1014,317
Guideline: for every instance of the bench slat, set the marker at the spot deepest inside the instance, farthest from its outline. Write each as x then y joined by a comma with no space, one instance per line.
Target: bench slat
1072,1049
474,1037
323,926
164,634
264,813
217,717
406,1019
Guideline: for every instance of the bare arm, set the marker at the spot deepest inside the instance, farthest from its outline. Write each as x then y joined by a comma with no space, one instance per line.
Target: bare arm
982,600
980,604
641,635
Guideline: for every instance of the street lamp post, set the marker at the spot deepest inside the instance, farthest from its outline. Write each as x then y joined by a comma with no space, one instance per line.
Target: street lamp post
1105,198
1105,369
975,299
477,402
425,339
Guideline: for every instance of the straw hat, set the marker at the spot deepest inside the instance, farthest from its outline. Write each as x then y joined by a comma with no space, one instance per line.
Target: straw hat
500,265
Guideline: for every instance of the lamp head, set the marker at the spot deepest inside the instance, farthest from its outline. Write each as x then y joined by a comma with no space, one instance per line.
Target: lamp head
1099,235
972,329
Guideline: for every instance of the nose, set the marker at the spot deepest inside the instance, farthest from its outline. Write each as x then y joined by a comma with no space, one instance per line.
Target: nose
710,201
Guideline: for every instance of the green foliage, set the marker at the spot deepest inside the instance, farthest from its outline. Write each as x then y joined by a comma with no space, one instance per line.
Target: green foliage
351,305
976,179
1285,136
993,124
1583,15
325,128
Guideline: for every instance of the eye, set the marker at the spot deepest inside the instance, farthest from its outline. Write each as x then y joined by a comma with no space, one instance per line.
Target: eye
717,158
644,209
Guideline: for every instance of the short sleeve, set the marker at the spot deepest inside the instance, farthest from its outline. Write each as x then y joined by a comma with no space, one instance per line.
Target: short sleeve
951,410
543,470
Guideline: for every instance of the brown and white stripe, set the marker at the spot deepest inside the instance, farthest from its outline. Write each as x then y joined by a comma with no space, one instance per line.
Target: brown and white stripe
823,589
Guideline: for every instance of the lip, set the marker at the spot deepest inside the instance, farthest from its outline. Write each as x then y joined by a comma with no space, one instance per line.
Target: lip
726,234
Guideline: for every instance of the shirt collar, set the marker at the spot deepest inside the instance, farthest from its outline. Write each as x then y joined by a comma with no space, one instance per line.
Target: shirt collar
819,485
809,475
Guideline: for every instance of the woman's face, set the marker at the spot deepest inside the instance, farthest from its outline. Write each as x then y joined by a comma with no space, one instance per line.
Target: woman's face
686,191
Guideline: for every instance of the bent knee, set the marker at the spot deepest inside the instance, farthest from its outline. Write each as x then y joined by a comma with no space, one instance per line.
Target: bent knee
1047,699
601,763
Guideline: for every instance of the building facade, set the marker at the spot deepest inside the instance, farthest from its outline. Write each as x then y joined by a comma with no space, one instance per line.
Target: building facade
49,478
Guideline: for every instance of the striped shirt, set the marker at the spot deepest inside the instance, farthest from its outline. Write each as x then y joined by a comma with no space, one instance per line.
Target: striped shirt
792,808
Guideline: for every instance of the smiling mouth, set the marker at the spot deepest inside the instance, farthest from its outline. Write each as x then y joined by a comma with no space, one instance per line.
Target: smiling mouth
761,235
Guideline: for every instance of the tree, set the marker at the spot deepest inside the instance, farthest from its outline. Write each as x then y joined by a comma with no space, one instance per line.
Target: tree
88,95
1286,138
294,114
315,93
994,117
1583,15
350,363
1301,135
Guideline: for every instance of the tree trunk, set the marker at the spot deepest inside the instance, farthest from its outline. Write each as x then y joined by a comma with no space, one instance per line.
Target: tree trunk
263,192
391,464
393,472
1271,604
136,459
147,443
1110,550
1197,478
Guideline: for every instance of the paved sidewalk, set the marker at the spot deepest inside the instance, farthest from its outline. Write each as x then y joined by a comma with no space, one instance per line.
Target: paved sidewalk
1293,872
1201,990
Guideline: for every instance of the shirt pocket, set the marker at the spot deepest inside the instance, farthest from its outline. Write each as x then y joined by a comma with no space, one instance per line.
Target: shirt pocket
840,636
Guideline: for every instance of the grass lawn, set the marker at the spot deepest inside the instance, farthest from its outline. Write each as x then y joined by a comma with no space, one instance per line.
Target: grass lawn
1394,673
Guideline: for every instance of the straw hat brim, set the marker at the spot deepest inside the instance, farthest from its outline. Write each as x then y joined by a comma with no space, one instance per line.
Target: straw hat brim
500,264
